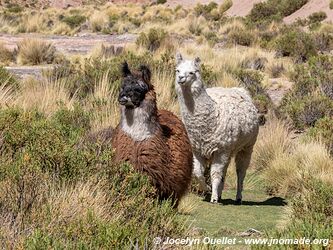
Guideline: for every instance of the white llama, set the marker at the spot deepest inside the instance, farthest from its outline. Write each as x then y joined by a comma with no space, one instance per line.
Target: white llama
220,122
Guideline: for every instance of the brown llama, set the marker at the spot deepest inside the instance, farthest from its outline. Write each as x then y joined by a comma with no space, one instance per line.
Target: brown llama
154,141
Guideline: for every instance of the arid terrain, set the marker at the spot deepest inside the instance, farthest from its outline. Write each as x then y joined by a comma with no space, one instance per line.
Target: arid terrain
60,75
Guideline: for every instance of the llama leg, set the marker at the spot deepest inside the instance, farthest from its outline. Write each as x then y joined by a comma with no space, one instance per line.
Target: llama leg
217,173
242,160
199,172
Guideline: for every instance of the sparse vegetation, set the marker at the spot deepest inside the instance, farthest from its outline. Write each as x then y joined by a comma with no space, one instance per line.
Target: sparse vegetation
59,189
33,52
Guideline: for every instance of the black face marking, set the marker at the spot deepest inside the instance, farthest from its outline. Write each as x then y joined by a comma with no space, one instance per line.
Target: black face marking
132,92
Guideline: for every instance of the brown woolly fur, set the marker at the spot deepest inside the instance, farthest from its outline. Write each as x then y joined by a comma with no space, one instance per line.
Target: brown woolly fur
165,156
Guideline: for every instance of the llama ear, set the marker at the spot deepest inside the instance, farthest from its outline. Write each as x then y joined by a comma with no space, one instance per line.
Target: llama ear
125,69
145,73
197,62
179,58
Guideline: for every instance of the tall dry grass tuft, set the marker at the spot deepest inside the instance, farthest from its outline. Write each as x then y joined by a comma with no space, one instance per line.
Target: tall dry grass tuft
103,105
6,55
289,171
164,87
34,51
274,140
45,95
98,21
6,94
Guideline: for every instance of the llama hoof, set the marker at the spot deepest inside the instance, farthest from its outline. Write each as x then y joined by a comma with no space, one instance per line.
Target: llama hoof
238,202
214,201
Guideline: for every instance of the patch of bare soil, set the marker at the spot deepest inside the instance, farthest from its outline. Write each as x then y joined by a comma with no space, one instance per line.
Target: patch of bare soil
278,89
81,44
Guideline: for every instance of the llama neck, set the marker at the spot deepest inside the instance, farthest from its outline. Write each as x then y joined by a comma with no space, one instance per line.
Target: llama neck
194,99
140,123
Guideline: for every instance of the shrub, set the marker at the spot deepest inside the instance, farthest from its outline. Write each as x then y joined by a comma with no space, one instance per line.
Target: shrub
70,195
331,4
33,52
310,214
323,131
161,1
241,37
323,41
317,17
252,81
295,43
311,96
152,40
265,12
208,11
14,8
74,21
225,6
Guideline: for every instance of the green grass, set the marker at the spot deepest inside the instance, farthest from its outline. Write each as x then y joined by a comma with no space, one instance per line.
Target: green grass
258,211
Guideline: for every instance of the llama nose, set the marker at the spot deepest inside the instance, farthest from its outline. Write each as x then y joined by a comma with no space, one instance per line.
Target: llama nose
123,100
181,78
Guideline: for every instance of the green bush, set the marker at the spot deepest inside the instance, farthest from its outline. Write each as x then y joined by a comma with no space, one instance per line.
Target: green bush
69,194
14,8
323,130
209,11
152,40
252,81
295,43
161,1
311,96
331,4
225,6
265,12
241,37
74,21
310,216
317,17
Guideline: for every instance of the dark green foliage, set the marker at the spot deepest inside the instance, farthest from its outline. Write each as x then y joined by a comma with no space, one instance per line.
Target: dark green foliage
311,215
323,130
152,40
265,12
323,41
331,4
42,162
161,1
74,21
311,96
241,37
14,8
207,11
317,17
295,43
252,81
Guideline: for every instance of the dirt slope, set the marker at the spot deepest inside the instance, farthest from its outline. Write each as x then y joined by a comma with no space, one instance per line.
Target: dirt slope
241,7
309,8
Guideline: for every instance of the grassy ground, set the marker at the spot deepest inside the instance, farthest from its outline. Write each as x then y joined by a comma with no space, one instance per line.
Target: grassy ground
258,211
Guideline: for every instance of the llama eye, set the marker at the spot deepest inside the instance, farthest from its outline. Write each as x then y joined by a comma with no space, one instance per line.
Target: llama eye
191,73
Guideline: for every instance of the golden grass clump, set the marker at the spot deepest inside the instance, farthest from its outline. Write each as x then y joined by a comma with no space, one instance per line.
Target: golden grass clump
6,55
103,104
287,172
273,141
98,21
34,52
45,95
